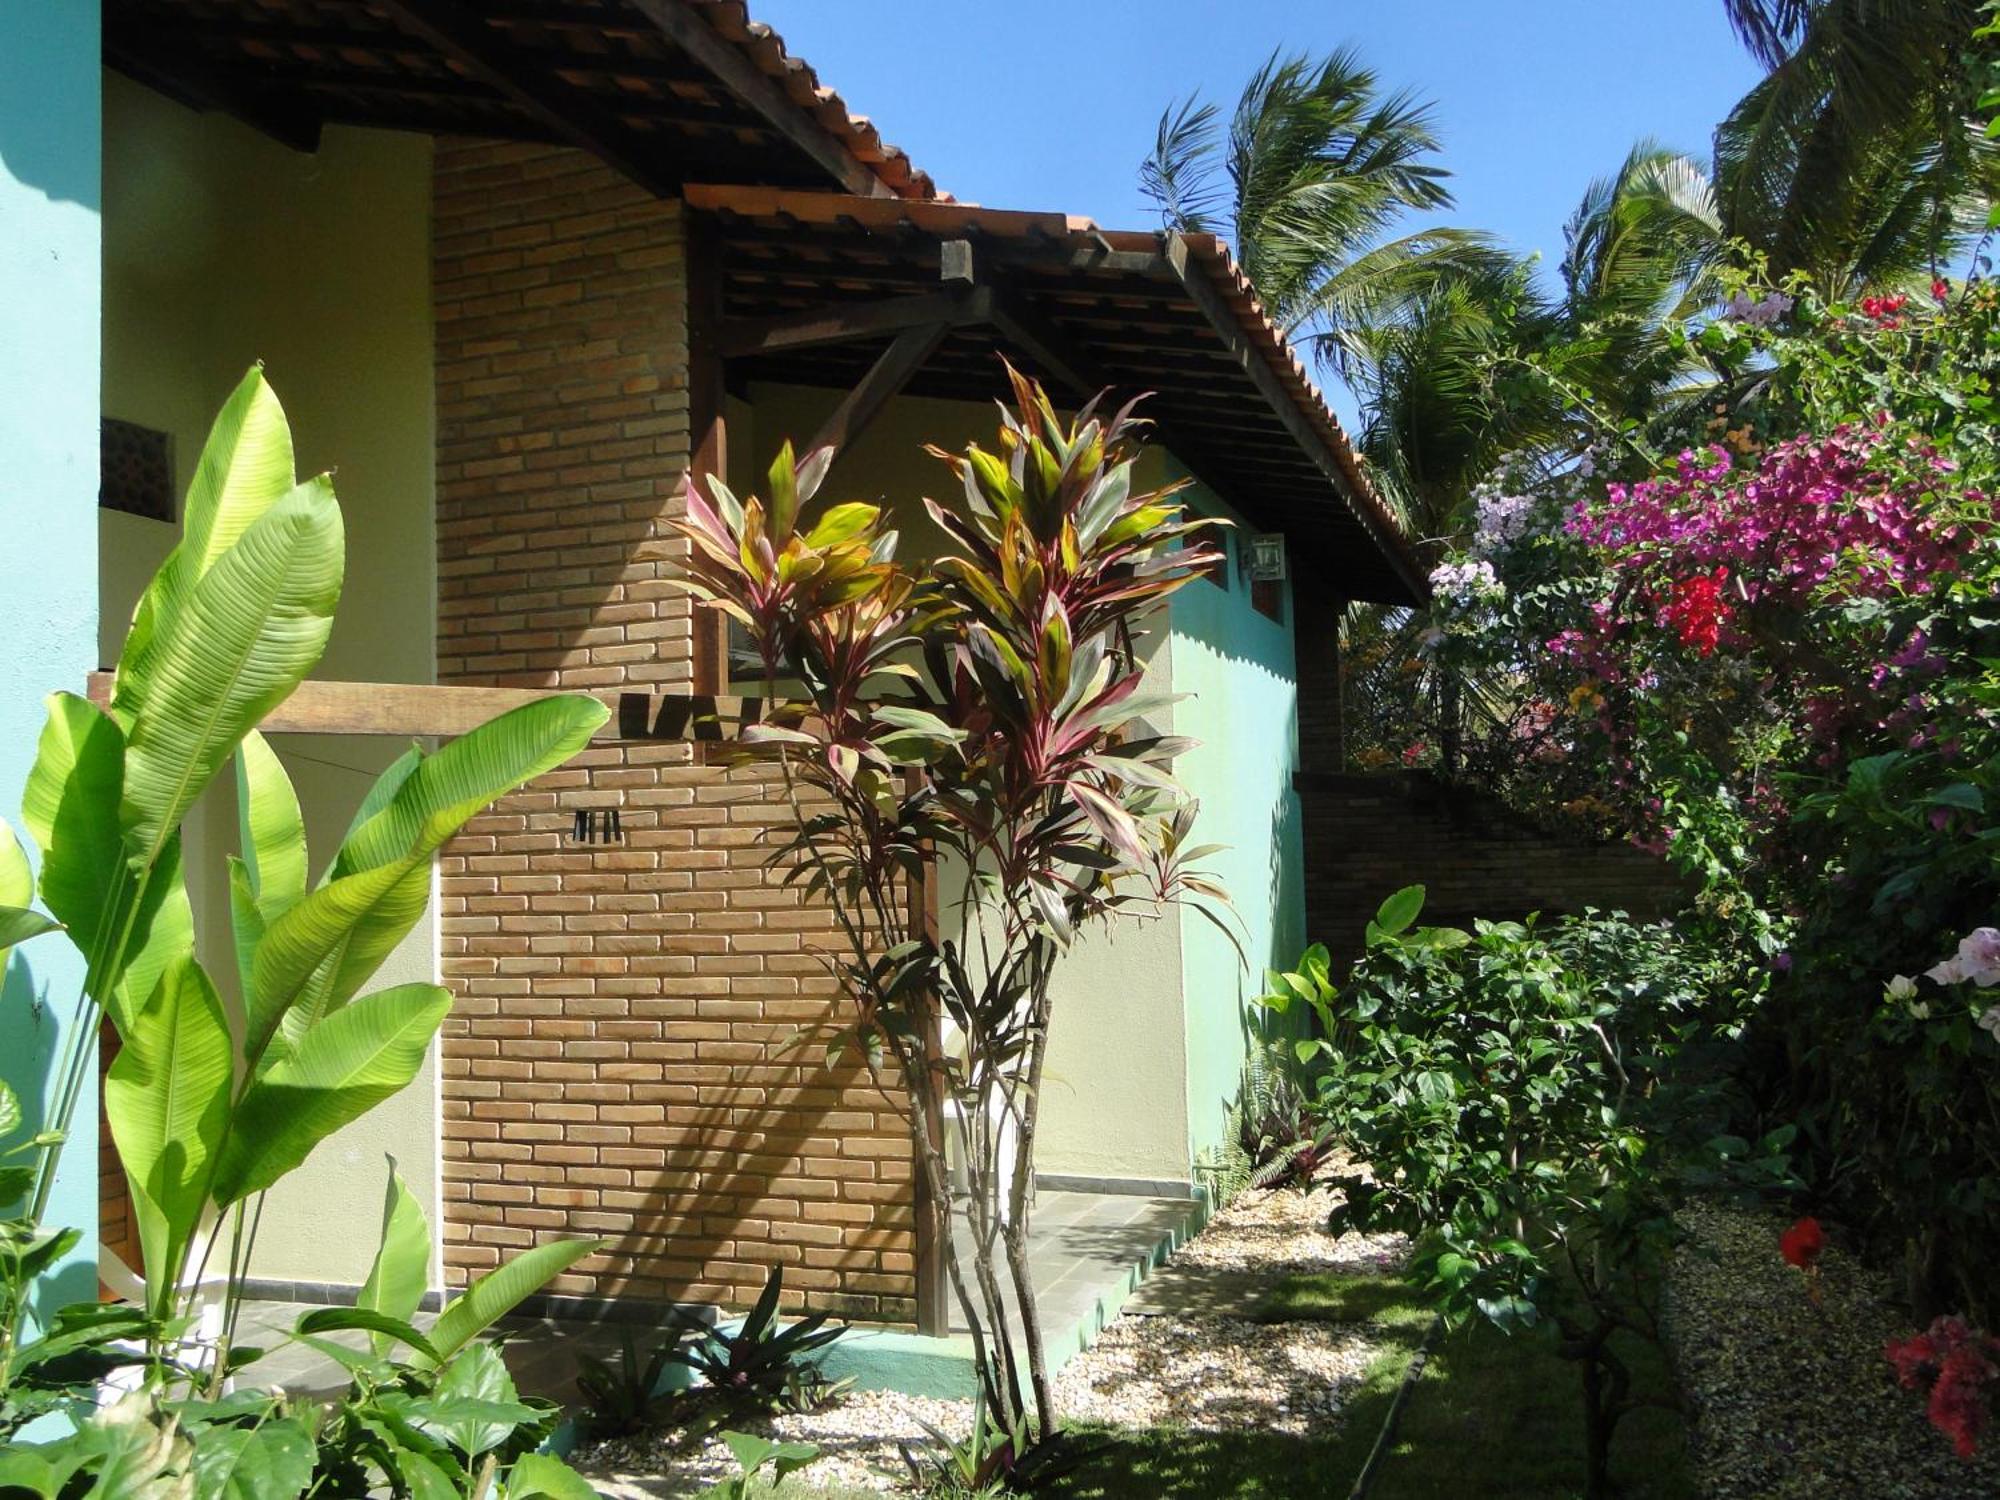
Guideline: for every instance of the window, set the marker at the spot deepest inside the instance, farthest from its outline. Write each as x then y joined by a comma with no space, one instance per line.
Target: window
135,470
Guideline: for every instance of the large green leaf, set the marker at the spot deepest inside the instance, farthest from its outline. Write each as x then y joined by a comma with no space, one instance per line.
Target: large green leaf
401,1274
18,924
17,881
167,1098
273,830
245,465
341,1069
501,1290
17,889
223,650
70,807
536,1476
474,1406
273,1461
318,954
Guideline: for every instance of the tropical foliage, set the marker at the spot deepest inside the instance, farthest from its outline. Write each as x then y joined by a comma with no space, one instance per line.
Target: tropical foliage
986,712
219,1091
1529,1102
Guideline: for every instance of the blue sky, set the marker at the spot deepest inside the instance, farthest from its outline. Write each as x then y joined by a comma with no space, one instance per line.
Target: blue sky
1051,104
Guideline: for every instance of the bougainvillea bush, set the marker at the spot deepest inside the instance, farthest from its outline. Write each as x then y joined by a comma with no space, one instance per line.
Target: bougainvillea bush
1767,645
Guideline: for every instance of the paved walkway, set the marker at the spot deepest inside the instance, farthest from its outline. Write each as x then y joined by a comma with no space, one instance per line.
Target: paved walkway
1080,1244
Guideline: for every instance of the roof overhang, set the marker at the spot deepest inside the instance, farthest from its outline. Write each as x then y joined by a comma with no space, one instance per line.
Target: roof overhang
666,91
816,286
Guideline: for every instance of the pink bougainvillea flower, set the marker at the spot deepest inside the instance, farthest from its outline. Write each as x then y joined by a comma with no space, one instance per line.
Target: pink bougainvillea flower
1802,1244
1977,960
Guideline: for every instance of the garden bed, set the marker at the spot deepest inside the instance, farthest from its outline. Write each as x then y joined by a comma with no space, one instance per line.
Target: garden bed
1787,1399
1218,1380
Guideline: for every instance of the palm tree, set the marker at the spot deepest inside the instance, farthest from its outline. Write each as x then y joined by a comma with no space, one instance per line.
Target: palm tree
1320,164
1856,160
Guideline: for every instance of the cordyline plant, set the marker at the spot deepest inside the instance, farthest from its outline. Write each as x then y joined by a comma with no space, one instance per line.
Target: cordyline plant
982,710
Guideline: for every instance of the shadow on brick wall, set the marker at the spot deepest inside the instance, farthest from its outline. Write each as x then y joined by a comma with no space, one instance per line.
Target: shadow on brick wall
1366,836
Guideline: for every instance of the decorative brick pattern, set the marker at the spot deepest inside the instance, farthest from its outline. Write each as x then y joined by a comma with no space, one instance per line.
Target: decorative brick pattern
1366,836
616,1063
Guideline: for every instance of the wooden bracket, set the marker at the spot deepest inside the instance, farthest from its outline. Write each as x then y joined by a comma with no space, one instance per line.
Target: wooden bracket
885,378
851,322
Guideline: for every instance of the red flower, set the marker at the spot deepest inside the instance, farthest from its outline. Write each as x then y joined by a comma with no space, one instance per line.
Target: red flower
1940,290
1698,611
1802,1243
1956,1361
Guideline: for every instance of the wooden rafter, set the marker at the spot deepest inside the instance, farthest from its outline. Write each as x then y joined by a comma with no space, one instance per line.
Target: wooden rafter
1253,362
464,35
158,59
694,36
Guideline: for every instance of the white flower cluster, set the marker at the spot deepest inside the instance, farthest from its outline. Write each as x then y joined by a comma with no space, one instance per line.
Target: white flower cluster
1759,314
1977,962
1466,583
1500,519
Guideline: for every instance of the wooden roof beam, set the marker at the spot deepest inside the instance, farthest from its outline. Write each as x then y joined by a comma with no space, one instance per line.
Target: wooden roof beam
700,41
570,113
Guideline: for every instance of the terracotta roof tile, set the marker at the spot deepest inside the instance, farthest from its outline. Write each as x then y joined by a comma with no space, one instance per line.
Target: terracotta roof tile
857,133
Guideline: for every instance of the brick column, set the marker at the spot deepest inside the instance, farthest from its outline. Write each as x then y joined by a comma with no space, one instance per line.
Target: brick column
614,1063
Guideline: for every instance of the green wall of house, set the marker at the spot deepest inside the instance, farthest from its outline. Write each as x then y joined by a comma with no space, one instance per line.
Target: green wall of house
49,256
222,248
1236,667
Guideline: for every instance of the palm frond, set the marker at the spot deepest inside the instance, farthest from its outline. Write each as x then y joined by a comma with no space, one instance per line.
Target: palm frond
1180,176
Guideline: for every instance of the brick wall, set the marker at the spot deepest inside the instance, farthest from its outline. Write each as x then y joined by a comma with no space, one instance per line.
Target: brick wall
613,1064
1366,836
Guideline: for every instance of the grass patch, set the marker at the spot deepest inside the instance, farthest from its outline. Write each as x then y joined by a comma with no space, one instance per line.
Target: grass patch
1504,1415
1343,1299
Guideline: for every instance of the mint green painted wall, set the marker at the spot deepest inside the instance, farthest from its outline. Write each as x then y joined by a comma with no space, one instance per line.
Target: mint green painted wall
49,256
1237,669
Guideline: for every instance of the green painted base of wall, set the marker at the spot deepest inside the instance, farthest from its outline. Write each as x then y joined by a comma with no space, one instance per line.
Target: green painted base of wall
914,1364
882,1359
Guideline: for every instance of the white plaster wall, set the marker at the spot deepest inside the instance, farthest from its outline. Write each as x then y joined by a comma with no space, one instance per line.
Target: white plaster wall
222,248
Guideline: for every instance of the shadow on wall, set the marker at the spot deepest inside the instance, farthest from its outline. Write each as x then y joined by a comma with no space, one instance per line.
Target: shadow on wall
1366,836
61,164
34,1008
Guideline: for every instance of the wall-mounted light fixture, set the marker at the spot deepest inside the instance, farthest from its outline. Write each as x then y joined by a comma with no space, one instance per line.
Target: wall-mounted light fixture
1264,557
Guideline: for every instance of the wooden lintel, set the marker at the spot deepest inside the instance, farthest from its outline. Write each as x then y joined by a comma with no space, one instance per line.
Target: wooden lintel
687,30
410,710
849,322
884,380
466,36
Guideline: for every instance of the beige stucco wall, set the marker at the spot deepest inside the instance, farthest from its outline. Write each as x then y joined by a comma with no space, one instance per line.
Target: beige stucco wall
1114,1099
221,248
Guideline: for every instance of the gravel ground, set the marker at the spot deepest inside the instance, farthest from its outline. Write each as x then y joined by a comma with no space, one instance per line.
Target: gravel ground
1790,1400
1207,1373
